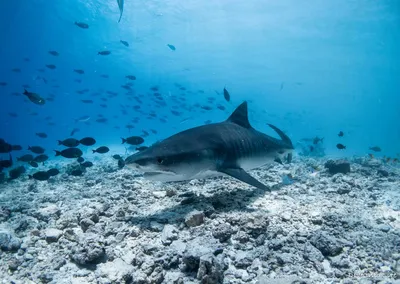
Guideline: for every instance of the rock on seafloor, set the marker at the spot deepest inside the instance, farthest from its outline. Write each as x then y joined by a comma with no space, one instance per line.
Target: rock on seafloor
339,166
112,226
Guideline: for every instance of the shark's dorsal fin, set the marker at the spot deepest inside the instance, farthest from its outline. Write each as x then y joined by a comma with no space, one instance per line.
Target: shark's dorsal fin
283,136
240,116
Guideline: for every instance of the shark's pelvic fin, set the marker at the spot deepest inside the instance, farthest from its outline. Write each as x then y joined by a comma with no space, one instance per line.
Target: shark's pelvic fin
243,176
283,136
240,116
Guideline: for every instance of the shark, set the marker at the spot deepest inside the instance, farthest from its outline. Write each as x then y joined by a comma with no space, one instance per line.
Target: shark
228,148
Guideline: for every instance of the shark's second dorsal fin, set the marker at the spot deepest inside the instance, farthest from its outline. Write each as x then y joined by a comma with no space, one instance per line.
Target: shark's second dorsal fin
240,116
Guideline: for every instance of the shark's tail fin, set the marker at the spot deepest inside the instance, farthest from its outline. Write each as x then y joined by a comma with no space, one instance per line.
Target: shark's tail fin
283,136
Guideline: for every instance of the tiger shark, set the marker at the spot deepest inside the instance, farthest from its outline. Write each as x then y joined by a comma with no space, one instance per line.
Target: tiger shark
229,148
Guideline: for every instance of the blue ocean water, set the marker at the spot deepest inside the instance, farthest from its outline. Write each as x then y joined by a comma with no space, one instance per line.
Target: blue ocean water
312,68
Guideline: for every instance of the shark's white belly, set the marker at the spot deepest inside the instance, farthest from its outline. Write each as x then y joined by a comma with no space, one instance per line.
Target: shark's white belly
256,162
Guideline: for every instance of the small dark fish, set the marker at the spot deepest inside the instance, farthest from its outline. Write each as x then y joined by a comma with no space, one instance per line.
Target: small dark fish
221,107
82,25
54,53
340,146
171,47
41,158
124,43
51,66
53,172
16,173
130,77
5,147
101,150
41,176
341,134
227,96
317,140
375,149
34,98
76,173
177,113
311,148
133,140
87,101
87,141
121,163
74,131
80,160
79,71
25,158
141,148
33,164
41,135
105,76
3,84
101,120
117,157
87,164
70,153
126,87
105,52
36,149
70,142
206,107
16,70
16,147
6,163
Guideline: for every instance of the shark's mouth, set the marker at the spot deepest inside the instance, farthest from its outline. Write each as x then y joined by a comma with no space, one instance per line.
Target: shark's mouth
164,176
157,173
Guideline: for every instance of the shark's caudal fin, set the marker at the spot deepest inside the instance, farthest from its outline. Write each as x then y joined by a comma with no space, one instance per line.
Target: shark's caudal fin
240,117
283,136
121,8
243,176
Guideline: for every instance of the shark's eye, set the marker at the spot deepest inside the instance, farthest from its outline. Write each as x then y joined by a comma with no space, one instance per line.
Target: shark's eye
160,160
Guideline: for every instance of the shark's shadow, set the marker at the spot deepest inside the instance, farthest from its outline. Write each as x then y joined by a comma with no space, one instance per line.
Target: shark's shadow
223,200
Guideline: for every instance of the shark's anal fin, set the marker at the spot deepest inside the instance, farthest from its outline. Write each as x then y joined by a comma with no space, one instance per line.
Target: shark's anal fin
243,176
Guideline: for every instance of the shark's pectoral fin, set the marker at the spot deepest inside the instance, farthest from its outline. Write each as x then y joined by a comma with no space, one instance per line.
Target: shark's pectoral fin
243,176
